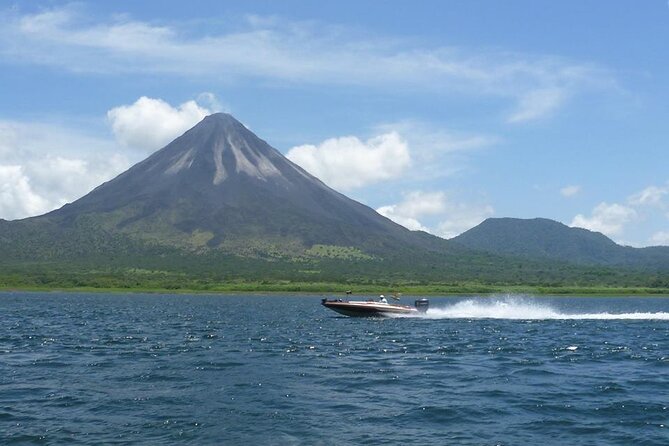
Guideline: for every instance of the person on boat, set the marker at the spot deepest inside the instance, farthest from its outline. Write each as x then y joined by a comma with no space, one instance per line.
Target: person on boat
382,299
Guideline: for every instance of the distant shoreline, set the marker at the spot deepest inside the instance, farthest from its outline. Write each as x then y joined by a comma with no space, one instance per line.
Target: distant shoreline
363,290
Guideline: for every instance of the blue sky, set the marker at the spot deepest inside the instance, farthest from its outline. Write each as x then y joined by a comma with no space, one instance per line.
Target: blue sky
437,114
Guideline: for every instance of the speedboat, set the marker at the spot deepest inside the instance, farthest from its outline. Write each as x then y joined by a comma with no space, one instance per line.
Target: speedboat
372,308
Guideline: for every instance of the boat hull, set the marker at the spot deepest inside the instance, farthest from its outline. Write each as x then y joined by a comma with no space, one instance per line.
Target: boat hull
368,308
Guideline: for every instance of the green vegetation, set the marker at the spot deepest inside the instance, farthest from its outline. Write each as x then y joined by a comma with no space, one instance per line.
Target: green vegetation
218,273
116,284
85,256
337,252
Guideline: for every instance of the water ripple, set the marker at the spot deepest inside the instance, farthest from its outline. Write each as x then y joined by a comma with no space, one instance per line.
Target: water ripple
117,369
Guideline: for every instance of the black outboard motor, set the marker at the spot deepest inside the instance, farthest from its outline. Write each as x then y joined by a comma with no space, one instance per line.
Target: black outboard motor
422,305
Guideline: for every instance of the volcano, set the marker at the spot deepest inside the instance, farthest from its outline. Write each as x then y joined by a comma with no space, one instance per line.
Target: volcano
219,186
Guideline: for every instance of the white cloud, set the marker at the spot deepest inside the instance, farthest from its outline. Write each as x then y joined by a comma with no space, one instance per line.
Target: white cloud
43,166
451,218
570,191
650,196
62,180
347,163
17,197
150,124
609,219
648,206
660,238
408,222
418,204
301,52
404,149
415,205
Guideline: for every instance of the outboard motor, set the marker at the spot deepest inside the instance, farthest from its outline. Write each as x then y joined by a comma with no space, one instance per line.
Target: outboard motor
422,305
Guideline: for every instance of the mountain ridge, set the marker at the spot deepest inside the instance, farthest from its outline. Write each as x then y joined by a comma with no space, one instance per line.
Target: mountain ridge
548,239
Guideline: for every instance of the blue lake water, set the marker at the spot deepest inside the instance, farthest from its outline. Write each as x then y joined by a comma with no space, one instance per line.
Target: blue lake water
281,370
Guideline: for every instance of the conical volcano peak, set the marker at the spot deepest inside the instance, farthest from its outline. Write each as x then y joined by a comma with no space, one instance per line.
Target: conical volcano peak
221,118
221,123
220,147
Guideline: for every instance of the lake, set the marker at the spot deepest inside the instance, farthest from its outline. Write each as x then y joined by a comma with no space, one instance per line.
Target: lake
95,369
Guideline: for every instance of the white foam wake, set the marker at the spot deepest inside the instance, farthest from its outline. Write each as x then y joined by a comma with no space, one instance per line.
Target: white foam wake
524,309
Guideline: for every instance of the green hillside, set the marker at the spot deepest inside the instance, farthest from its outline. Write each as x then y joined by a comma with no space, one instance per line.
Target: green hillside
37,254
543,239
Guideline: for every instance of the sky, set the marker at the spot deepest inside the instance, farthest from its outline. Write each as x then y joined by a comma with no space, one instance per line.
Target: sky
438,114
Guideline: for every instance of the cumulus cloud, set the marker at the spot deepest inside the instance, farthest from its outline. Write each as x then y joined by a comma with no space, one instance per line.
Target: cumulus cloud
347,163
150,124
415,205
299,52
609,219
400,150
43,166
17,197
450,218
649,205
61,180
408,222
570,191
